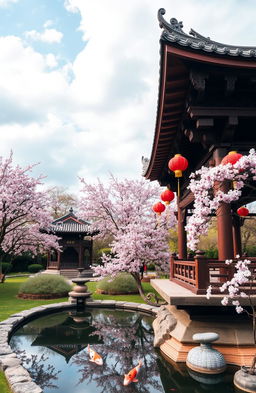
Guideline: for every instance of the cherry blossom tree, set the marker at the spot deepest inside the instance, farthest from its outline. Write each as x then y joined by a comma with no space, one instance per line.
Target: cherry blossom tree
24,211
208,196
123,209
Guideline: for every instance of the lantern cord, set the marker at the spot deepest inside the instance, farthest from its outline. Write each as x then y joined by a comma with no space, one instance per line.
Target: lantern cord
167,214
178,187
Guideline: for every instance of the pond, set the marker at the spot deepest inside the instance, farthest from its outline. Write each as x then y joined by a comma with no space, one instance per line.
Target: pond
54,348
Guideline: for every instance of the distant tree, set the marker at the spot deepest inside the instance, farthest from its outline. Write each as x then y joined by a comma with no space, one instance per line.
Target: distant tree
61,201
99,245
123,210
248,232
24,211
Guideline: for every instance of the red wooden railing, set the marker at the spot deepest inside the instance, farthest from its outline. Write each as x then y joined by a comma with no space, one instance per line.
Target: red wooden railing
52,265
196,275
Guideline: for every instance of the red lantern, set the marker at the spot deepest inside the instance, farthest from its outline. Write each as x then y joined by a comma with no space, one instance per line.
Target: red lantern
167,196
231,158
159,208
178,164
242,211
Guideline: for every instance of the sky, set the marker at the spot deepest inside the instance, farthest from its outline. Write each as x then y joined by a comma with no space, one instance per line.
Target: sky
79,79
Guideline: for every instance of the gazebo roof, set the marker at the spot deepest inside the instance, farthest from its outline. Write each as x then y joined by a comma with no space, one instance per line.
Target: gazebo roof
173,33
70,223
188,64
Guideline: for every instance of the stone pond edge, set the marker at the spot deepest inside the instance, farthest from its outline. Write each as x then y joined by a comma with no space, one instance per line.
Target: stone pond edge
17,376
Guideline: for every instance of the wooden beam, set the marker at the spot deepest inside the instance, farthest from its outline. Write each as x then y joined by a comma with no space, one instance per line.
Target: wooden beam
204,123
186,200
196,111
235,62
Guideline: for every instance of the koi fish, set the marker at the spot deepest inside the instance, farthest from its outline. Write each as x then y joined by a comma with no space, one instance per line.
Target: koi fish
131,376
94,356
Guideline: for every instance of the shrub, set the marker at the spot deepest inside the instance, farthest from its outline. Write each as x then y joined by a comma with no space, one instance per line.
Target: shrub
20,263
211,252
45,284
35,268
121,284
151,267
6,267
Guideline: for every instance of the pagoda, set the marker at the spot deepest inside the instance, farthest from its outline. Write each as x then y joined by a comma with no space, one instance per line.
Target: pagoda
76,242
206,108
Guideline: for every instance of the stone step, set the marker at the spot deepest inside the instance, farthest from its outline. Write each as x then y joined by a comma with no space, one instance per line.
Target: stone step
69,273
73,273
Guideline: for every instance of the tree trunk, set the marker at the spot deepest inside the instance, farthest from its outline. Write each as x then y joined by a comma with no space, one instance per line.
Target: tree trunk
148,296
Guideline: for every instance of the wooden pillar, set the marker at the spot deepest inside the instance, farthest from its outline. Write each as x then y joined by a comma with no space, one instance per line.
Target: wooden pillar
182,236
224,217
201,273
237,236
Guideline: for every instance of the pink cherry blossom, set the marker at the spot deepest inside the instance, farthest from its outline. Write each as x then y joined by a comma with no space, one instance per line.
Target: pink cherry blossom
124,210
206,202
24,211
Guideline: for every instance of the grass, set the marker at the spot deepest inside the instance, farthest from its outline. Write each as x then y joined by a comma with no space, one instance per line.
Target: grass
4,388
10,304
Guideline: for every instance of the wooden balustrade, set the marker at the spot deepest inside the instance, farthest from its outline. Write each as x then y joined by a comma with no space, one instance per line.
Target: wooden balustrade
52,265
196,275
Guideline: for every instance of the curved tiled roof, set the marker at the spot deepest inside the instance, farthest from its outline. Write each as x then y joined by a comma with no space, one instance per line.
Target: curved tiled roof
71,227
70,223
173,33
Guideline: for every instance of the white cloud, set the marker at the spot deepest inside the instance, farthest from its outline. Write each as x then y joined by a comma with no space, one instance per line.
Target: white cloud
50,36
71,7
51,60
97,114
48,23
6,3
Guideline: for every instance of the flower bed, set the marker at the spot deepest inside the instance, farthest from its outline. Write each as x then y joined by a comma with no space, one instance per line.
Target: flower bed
35,296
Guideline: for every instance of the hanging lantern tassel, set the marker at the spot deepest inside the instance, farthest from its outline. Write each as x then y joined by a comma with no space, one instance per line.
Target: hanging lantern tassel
178,164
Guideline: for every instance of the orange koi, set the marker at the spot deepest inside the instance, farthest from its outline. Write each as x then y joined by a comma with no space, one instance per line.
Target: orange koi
94,356
132,375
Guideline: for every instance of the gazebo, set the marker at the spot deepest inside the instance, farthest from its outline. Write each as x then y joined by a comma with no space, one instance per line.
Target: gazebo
206,108
76,241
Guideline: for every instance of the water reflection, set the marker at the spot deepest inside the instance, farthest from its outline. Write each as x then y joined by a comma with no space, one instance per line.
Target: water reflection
54,349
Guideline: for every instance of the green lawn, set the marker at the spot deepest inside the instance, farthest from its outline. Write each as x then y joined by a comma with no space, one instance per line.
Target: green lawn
10,304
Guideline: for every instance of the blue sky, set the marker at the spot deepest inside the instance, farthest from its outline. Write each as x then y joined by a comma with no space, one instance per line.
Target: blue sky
26,15
79,79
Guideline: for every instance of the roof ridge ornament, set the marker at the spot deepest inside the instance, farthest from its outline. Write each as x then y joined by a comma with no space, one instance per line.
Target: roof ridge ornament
197,35
172,32
173,25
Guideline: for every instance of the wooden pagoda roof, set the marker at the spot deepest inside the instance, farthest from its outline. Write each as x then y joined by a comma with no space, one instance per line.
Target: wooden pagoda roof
70,223
183,60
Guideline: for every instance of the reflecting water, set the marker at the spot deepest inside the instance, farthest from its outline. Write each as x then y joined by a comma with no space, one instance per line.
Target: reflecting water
54,350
